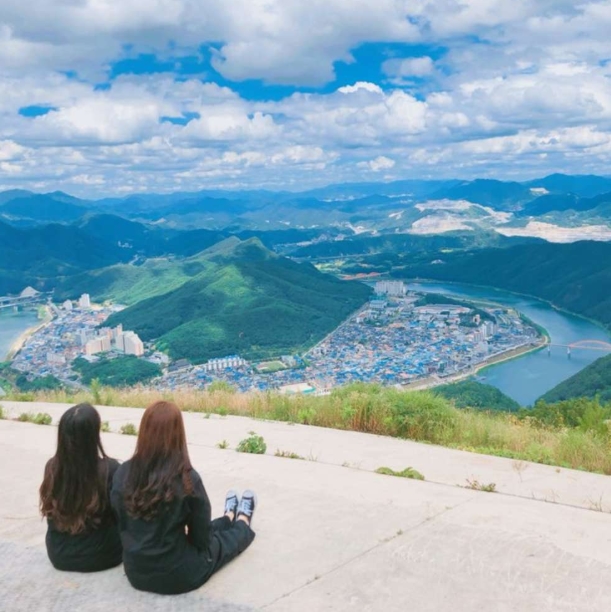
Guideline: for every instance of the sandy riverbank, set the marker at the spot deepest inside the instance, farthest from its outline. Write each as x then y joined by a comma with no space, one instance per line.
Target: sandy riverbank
20,341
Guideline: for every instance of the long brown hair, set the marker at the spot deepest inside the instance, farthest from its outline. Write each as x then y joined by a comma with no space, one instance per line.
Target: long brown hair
73,493
161,457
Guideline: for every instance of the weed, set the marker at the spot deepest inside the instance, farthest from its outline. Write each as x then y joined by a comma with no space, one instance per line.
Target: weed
223,444
408,472
207,415
597,504
2,416
223,411
519,467
288,455
479,486
254,444
105,426
129,429
42,418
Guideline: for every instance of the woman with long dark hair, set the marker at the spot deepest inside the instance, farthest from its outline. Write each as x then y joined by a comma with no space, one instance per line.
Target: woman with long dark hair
82,535
170,543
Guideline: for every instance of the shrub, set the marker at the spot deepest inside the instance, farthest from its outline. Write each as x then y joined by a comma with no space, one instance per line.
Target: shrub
408,472
129,429
254,444
479,486
42,418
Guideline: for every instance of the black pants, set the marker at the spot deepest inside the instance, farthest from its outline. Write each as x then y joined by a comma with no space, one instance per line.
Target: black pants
232,539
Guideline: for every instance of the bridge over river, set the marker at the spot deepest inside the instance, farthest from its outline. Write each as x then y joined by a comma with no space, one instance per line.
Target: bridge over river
587,345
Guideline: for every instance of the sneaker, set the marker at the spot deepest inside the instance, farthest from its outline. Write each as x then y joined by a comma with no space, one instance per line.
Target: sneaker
247,505
231,503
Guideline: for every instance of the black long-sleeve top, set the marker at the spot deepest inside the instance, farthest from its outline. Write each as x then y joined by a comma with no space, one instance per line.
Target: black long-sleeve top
96,548
174,551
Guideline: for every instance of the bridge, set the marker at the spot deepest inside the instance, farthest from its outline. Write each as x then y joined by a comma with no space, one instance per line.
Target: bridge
27,297
588,345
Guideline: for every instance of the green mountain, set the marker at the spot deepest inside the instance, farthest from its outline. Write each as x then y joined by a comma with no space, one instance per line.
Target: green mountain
500,195
586,186
128,283
39,255
245,300
43,208
573,276
593,380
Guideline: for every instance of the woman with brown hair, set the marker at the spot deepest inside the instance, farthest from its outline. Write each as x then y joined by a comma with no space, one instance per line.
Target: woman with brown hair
170,543
82,535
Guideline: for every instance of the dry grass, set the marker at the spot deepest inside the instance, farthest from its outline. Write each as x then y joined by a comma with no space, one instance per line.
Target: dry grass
416,415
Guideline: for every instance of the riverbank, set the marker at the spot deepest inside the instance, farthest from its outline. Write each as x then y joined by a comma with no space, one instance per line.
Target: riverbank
432,382
20,341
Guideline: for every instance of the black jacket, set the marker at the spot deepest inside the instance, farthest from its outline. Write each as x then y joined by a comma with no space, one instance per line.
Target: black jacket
174,552
92,550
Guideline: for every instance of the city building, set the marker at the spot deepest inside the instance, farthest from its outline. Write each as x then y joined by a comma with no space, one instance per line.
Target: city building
132,344
67,305
391,288
84,301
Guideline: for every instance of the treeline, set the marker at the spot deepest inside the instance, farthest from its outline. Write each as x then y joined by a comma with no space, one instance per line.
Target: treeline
118,372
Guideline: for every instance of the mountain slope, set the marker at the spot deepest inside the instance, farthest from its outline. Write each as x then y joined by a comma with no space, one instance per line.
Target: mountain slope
39,255
247,300
43,208
593,380
499,195
585,186
574,276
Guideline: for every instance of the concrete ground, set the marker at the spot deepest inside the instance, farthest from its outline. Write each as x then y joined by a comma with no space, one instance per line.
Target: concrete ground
333,535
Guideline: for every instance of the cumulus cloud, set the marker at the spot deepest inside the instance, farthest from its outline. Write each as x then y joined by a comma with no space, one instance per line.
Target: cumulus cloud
377,164
516,88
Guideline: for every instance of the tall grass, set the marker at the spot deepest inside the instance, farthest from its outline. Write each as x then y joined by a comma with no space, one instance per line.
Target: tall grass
416,415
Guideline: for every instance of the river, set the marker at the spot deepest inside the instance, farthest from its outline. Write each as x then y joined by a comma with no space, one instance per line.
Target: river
12,325
528,377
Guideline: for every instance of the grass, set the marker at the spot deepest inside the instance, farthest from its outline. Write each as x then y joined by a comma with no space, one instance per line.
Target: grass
2,416
42,418
223,444
408,472
479,486
129,429
416,415
288,455
254,444
105,427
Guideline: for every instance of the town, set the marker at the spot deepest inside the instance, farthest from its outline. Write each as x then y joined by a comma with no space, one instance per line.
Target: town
398,338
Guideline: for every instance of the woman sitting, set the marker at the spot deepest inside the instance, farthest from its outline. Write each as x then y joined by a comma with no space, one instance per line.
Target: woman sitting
170,544
82,535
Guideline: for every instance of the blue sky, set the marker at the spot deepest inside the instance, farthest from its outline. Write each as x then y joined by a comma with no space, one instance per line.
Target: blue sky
99,97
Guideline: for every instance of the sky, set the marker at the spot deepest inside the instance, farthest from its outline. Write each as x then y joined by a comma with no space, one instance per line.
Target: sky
101,97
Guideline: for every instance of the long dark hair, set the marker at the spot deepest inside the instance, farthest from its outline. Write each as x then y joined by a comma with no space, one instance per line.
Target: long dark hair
74,491
161,457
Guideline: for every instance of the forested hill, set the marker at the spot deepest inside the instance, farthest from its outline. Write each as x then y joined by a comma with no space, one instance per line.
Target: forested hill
246,300
593,380
575,276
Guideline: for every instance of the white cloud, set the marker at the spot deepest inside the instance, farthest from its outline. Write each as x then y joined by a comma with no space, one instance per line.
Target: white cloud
377,164
521,87
400,69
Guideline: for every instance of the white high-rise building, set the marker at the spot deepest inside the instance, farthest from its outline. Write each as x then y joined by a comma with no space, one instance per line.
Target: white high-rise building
133,345
67,305
84,301
391,288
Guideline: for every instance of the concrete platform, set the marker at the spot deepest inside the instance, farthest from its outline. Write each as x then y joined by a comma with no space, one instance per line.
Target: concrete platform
331,537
